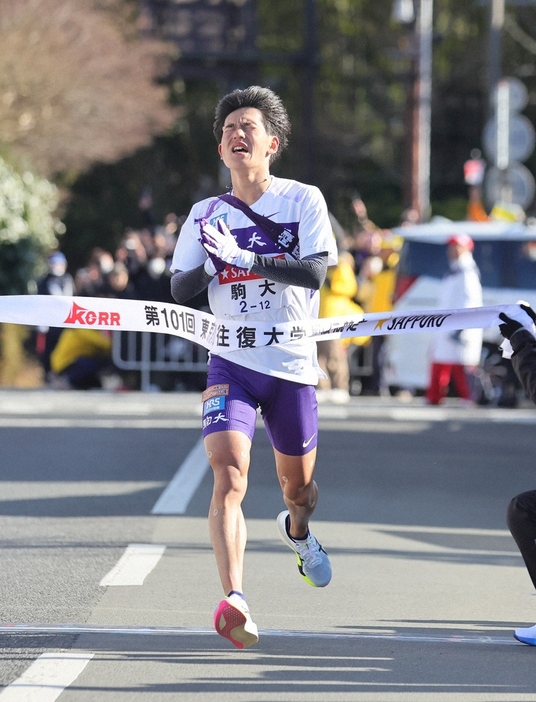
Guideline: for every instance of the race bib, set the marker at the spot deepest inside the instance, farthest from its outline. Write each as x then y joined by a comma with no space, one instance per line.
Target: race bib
246,293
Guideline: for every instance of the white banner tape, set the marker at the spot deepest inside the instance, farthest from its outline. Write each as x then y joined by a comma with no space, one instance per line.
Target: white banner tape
225,335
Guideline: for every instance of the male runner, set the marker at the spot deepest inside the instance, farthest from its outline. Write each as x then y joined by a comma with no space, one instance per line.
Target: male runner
258,271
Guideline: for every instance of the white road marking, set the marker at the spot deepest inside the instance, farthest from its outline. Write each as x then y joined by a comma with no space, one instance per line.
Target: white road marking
17,629
176,497
335,417
97,423
47,677
134,565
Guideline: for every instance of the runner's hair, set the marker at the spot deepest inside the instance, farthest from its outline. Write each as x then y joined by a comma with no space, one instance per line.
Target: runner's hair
274,115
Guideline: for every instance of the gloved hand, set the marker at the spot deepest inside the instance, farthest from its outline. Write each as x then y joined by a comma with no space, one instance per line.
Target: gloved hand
220,243
213,264
509,327
531,313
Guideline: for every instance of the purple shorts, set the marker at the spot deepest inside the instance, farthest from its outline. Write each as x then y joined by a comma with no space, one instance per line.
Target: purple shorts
289,410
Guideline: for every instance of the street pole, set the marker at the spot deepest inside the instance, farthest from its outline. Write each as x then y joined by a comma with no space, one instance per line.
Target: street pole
309,84
494,51
424,110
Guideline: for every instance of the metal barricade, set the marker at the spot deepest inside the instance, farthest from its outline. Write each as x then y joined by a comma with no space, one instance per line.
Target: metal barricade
360,362
148,352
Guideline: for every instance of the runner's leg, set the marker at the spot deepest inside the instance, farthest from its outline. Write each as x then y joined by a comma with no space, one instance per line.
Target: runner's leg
229,455
291,420
300,492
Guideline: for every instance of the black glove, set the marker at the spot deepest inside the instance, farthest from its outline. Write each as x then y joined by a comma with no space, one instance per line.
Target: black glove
531,313
510,326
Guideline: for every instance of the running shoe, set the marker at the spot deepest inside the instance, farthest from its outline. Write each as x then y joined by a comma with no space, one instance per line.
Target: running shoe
313,561
233,621
527,636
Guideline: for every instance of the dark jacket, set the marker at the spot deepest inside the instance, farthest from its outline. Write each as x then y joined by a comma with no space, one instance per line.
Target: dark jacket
524,360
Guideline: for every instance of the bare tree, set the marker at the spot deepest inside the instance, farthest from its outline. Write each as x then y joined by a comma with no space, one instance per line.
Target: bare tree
76,85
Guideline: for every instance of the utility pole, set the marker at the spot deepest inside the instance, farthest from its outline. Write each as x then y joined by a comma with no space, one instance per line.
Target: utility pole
310,58
494,50
419,13
422,135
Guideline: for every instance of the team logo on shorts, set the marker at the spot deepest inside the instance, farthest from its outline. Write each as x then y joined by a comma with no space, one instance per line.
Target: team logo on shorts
214,398
214,404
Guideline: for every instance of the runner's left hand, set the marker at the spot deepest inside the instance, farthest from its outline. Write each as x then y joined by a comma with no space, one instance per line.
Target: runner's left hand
219,242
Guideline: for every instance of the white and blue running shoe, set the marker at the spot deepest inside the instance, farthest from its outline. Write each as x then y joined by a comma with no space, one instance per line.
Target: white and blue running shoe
526,636
313,561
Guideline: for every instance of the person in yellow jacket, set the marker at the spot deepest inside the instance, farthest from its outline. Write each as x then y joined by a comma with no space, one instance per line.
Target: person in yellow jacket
337,299
376,281
79,357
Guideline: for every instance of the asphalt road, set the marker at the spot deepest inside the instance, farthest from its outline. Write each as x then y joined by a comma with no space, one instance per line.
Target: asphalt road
427,588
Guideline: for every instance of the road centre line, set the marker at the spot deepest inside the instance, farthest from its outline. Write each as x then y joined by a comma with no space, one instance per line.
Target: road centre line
134,566
180,490
17,629
47,677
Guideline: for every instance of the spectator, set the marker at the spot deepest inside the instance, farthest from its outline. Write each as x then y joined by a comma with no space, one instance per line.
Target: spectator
56,282
376,281
362,221
145,205
337,298
409,217
475,206
119,284
152,281
79,359
454,354
521,511
91,280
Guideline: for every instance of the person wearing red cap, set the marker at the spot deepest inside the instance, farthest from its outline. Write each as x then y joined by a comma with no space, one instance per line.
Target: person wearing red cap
453,354
462,240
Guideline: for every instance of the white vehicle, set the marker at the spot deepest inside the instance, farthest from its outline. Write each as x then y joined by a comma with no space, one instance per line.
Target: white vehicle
506,256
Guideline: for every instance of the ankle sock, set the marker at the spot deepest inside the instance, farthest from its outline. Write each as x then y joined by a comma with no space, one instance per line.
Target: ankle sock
295,538
236,592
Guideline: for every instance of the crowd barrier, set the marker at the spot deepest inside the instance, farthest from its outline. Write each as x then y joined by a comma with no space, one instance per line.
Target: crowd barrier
148,353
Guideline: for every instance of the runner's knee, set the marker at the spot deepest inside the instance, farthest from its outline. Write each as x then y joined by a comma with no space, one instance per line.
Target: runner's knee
299,494
230,483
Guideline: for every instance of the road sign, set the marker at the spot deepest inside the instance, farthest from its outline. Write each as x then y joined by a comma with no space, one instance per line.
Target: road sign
518,95
521,138
514,184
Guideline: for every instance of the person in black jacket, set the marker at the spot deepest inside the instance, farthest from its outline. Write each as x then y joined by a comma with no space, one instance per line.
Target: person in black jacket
521,511
57,281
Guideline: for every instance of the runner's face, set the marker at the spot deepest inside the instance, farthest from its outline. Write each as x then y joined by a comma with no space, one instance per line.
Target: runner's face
245,142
